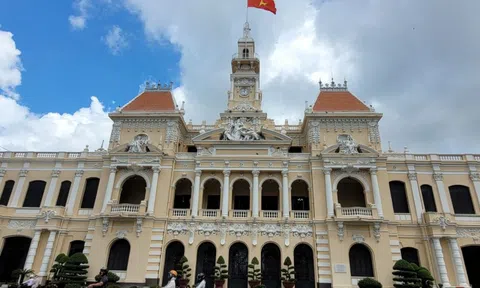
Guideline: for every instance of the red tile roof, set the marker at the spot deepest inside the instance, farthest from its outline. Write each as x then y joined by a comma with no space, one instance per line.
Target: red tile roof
341,100
151,101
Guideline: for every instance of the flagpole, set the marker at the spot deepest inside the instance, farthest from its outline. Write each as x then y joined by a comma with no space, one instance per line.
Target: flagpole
246,18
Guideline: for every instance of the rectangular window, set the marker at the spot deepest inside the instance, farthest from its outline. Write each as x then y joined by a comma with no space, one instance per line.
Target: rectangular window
63,194
90,194
7,192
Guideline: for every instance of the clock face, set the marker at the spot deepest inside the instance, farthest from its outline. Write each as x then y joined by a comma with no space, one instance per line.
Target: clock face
244,92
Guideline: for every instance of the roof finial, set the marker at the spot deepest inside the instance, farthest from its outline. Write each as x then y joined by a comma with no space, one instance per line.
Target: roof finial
246,30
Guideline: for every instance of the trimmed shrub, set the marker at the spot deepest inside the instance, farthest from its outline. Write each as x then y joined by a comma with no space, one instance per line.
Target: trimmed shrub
369,283
74,271
288,272
405,275
221,272
254,272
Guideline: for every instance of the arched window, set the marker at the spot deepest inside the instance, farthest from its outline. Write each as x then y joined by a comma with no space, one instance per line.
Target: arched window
211,194
175,251
350,193
238,266
461,199
304,266
245,53
410,254
13,256
7,192
271,265
206,257
270,195
90,194
241,195
360,261
300,199
183,193
76,247
63,193
399,197
34,195
119,254
133,190
428,198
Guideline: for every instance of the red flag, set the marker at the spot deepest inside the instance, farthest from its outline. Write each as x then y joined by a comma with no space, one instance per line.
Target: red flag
268,5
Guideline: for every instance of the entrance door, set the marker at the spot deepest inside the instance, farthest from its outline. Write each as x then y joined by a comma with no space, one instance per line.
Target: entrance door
238,266
304,270
174,253
271,266
471,254
14,254
206,256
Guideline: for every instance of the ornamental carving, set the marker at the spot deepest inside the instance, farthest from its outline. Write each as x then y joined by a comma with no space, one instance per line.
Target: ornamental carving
340,231
302,231
115,135
2,172
173,132
271,230
475,176
105,224
437,176
139,144
314,132
206,151
79,173
237,131
23,173
239,230
442,221
245,82
282,152
47,215
207,229
346,144
373,132
139,226
412,176
469,233
357,238
177,228
21,224
376,231
121,234
244,106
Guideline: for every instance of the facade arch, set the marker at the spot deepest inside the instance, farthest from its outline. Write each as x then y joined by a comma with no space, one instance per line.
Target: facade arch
299,179
173,253
127,174
240,178
360,178
119,254
271,264
13,255
175,182
202,184
279,182
238,265
361,260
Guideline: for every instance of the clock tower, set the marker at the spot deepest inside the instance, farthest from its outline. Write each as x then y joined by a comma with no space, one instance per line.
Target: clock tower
245,95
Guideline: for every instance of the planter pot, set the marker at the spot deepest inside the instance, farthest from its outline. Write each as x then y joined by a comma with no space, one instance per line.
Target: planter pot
219,283
254,283
288,284
183,283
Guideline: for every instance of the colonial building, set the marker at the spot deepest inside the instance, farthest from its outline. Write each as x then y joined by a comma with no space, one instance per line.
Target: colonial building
321,192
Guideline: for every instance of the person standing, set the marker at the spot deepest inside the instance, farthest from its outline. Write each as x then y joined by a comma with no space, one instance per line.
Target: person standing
201,283
172,277
103,279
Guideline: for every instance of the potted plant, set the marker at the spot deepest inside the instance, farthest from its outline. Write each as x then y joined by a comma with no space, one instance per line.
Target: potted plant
288,273
183,271
221,272
254,274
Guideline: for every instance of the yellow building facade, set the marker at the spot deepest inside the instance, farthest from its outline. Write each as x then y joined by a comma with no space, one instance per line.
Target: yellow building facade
321,192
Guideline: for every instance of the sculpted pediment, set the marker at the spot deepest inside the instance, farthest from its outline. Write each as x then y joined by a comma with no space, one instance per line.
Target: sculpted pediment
125,148
346,145
246,136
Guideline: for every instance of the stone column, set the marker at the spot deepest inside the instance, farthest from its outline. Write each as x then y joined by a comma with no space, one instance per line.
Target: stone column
18,190
32,250
2,173
153,190
226,191
458,263
73,196
376,192
442,269
416,196
51,188
109,190
196,193
474,176
47,254
438,177
255,193
328,192
285,198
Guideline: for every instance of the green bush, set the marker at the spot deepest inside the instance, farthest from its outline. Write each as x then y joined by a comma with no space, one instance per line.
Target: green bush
254,273
405,275
221,272
75,271
369,283
184,269
60,261
288,272
112,277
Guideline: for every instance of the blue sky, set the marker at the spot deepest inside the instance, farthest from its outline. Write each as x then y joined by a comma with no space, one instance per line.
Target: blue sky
63,67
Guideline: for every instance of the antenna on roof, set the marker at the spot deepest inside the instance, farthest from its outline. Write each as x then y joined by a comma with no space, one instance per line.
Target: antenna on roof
101,146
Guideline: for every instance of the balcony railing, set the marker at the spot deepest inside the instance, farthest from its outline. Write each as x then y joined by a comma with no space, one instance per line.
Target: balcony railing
180,212
240,213
301,214
210,213
356,211
125,208
270,214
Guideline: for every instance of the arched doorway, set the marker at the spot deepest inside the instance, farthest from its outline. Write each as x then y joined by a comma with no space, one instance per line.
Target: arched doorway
183,193
118,256
241,195
206,256
271,259
238,266
471,254
174,253
304,270
350,193
133,190
360,261
14,255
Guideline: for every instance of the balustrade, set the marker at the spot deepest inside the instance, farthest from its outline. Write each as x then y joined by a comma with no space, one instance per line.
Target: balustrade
356,211
179,212
301,214
240,213
125,208
210,213
270,214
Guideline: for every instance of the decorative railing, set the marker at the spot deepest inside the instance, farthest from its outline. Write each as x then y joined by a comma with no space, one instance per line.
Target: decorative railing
421,157
301,214
356,211
202,127
451,157
270,214
240,213
210,213
125,208
403,217
288,128
180,212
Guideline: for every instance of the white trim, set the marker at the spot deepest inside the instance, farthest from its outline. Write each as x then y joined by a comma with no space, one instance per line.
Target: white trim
127,174
363,181
220,180
279,182
295,179
232,181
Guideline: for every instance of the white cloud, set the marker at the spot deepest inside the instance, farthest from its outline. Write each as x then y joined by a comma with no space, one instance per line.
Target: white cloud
20,129
115,40
78,22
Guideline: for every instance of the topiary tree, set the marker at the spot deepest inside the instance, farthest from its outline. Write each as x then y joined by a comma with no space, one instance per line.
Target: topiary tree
74,272
369,283
112,277
183,270
405,275
288,273
254,274
221,272
60,261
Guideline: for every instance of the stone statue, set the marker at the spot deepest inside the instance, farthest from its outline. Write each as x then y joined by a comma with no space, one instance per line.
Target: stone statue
139,144
236,131
346,144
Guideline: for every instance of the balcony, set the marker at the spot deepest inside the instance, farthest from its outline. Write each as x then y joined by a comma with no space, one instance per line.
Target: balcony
356,213
300,214
179,212
270,214
126,209
210,213
240,213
